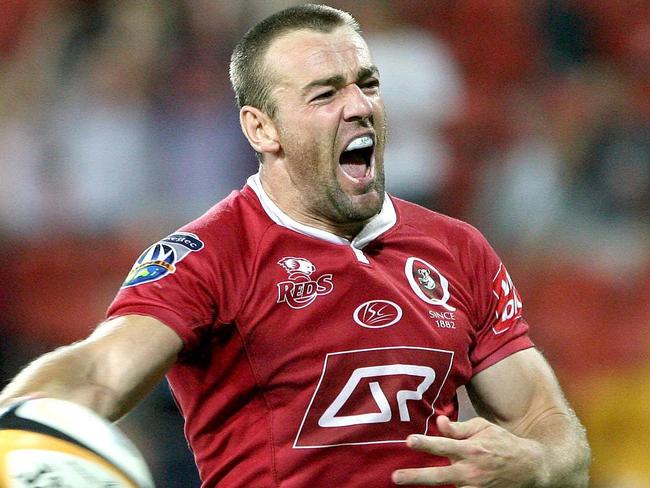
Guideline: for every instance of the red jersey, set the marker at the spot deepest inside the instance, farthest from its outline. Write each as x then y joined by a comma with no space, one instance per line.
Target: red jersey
308,359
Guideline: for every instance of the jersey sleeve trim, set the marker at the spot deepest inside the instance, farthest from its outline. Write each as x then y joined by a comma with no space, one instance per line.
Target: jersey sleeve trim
518,344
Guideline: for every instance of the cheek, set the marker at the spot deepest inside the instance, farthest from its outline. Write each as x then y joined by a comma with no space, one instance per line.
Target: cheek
308,137
379,112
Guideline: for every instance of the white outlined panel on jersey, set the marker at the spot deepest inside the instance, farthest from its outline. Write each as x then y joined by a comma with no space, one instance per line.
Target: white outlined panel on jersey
374,396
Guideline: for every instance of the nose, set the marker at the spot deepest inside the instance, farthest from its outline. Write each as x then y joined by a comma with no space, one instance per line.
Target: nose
357,105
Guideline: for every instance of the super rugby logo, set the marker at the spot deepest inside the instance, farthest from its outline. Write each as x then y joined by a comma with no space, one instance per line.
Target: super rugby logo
300,290
160,259
428,283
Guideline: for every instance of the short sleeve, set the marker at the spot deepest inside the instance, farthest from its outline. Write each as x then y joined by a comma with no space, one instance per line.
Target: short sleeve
172,282
500,326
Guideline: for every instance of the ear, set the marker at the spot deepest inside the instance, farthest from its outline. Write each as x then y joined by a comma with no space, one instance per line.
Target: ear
259,129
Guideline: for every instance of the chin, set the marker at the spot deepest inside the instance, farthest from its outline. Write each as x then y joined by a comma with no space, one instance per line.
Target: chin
365,206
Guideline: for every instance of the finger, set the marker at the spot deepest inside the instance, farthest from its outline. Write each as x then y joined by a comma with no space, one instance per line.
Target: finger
27,396
446,475
439,446
460,430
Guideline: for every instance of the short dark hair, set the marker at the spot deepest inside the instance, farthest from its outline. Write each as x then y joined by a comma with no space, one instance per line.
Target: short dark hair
251,83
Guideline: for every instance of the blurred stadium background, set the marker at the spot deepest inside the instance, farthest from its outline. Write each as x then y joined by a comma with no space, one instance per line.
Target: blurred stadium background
528,118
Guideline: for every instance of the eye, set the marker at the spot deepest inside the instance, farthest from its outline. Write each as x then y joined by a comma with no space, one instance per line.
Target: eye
324,95
370,84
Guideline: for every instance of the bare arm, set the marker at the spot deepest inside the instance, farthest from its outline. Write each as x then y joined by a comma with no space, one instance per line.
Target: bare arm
528,436
522,395
109,372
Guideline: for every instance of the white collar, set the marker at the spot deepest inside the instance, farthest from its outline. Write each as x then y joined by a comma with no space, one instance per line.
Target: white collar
379,224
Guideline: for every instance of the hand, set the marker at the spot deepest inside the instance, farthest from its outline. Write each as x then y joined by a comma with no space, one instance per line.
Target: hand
482,455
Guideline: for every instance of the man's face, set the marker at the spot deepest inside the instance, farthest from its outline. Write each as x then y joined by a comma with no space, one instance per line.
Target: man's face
331,123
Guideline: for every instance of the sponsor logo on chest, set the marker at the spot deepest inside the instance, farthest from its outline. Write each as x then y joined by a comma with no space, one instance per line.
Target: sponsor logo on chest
377,314
302,287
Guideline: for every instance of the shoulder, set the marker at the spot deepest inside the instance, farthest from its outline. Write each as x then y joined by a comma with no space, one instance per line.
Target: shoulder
238,220
448,230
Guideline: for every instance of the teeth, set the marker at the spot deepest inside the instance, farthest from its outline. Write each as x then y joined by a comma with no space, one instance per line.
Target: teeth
360,143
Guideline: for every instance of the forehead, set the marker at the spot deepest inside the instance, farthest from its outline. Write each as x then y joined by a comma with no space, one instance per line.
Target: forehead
301,56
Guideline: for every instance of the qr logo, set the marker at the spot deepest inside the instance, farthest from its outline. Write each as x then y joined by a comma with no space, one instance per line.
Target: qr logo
373,396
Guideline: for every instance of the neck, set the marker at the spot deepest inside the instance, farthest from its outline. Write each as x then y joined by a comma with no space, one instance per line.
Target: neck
281,190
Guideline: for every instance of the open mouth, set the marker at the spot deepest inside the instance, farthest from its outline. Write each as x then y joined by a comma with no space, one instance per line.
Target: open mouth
356,159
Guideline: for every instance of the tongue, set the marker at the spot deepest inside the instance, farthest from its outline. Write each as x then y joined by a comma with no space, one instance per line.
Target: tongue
353,164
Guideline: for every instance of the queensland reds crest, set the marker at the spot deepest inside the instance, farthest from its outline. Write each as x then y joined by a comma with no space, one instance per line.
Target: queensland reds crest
428,283
300,290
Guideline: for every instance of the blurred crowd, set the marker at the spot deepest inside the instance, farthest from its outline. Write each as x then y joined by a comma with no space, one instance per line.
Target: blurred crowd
528,118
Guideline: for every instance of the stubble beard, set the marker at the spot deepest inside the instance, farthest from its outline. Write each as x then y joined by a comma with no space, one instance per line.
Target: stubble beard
346,210
321,191
349,211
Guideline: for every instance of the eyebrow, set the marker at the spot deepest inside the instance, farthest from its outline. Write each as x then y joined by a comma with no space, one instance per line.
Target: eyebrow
339,80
